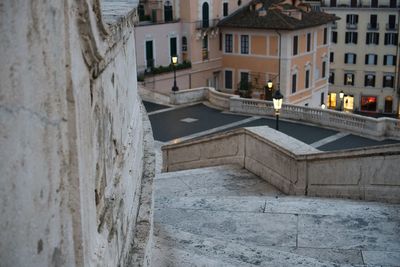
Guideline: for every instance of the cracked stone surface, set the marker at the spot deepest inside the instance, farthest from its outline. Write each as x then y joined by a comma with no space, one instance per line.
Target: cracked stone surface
226,216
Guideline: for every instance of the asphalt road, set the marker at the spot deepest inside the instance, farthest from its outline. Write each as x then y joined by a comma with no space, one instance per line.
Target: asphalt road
190,120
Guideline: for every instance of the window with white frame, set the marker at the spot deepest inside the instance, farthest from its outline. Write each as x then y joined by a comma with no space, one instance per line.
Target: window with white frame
352,19
228,43
294,83
371,59
244,44
389,60
307,79
350,58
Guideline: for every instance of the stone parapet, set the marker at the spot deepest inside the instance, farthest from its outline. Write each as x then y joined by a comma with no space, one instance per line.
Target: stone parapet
294,167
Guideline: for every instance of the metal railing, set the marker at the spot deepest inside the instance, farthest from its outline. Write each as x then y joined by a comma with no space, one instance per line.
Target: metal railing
391,27
373,26
351,26
205,24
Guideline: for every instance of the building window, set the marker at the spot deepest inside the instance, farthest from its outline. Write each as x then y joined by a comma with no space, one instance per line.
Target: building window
388,81
205,15
369,80
392,22
351,38
374,3
331,57
368,103
325,36
389,60
350,58
332,78
351,21
322,98
244,44
149,54
373,25
334,37
228,79
333,3
349,79
173,46
205,47
294,83
308,42
390,38
393,3
324,69
225,9
372,38
388,104
184,44
220,41
168,11
228,43
371,59
295,45
307,79
332,100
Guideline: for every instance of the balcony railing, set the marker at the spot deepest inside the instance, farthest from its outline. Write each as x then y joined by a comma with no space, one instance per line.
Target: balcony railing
373,26
350,26
205,24
391,27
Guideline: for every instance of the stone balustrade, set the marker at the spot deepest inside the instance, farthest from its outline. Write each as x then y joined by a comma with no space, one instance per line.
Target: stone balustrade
374,127
294,167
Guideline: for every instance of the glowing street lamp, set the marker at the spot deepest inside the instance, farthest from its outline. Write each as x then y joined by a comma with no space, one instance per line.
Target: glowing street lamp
174,60
269,86
323,106
277,98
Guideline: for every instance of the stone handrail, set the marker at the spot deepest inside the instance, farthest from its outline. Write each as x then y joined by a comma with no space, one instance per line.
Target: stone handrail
294,167
375,127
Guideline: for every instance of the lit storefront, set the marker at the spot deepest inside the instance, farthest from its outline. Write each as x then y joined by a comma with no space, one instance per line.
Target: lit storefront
369,103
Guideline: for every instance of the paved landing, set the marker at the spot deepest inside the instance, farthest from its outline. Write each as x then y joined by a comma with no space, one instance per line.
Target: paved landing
199,120
226,216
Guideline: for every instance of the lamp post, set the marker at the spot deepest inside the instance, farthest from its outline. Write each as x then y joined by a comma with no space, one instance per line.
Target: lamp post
323,106
269,86
341,96
277,99
174,60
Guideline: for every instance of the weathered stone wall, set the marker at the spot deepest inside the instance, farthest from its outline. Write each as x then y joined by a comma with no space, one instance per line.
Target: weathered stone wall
74,164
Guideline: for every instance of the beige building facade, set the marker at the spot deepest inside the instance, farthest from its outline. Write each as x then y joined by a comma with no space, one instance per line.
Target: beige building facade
364,56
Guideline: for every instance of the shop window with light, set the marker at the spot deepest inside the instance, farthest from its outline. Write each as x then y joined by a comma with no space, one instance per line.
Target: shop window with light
371,59
228,43
368,103
244,44
389,60
228,79
369,80
348,102
388,81
349,79
350,58
332,100
332,78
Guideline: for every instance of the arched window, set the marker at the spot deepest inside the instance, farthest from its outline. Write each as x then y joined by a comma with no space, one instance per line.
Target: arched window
205,11
168,15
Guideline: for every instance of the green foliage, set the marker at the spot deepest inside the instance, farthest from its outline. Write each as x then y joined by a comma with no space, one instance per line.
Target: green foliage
165,69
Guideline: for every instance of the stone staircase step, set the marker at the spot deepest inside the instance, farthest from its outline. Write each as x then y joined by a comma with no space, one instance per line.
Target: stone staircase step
172,243
218,181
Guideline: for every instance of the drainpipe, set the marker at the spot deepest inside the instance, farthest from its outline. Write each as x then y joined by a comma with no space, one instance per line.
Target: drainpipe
396,87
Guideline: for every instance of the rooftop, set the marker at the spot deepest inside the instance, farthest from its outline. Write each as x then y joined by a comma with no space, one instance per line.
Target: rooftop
276,15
